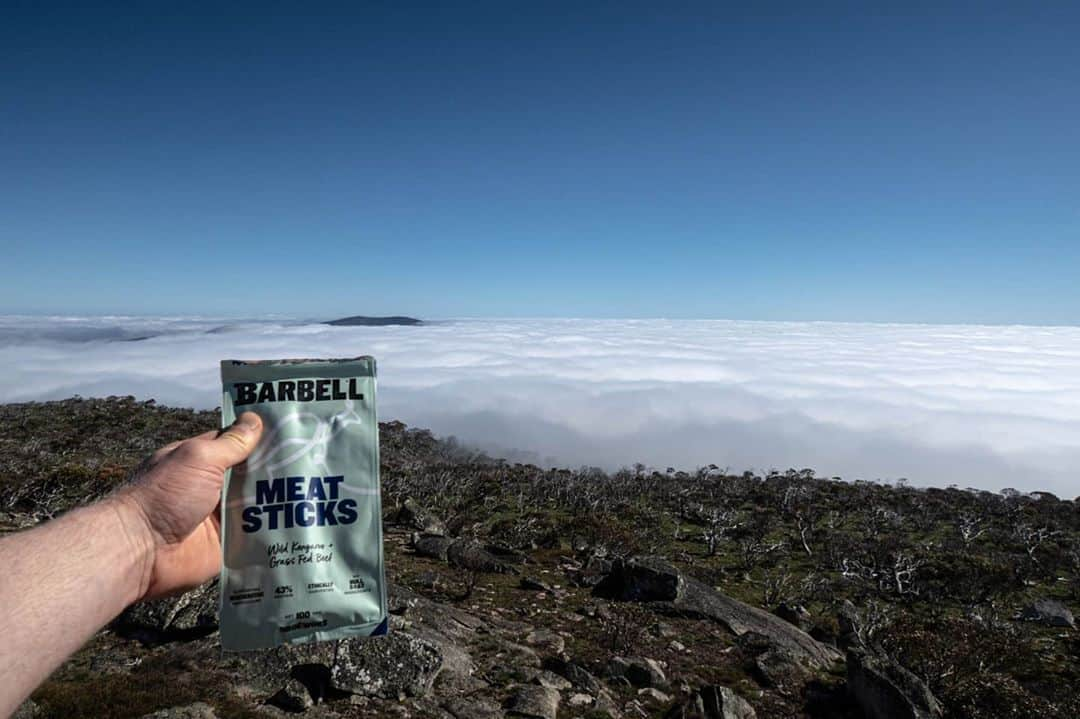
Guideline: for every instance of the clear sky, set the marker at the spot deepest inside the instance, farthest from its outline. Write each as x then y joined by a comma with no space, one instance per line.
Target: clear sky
780,161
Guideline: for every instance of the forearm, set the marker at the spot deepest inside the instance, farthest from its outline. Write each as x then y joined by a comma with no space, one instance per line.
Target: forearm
60,583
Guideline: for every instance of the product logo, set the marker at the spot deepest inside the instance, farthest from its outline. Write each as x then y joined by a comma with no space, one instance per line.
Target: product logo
304,390
287,502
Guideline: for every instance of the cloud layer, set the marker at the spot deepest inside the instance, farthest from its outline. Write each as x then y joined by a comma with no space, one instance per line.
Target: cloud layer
988,407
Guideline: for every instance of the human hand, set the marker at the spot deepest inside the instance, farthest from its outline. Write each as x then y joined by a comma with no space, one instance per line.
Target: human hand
170,511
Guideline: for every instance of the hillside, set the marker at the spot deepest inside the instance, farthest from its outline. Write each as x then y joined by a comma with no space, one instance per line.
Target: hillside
579,593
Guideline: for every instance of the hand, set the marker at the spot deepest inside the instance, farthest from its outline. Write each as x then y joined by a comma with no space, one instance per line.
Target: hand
171,510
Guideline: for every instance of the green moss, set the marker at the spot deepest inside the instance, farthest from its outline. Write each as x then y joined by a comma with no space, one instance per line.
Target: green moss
113,696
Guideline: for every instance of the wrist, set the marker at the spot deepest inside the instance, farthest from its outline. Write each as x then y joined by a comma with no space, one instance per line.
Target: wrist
139,540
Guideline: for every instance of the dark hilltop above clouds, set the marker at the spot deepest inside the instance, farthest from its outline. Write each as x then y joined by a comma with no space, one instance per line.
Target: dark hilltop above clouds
15,329
364,321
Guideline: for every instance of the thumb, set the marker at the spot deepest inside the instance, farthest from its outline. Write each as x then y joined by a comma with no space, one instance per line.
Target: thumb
235,444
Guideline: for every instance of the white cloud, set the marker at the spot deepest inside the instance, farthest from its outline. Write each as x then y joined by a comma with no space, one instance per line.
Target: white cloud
968,405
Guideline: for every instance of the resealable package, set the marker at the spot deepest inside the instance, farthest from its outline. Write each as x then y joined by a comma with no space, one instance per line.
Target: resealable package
301,522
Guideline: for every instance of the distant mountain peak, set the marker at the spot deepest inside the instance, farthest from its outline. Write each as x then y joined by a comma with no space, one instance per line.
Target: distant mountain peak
364,321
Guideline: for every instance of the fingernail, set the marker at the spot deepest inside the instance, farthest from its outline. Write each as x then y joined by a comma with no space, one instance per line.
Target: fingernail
248,421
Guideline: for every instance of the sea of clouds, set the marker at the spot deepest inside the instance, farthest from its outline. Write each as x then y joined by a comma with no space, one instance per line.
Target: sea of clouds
986,407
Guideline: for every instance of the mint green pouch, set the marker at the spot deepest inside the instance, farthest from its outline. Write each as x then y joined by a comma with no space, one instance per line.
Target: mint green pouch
301,519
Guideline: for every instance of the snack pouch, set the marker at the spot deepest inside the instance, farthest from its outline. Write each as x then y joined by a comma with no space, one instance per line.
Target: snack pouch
301,517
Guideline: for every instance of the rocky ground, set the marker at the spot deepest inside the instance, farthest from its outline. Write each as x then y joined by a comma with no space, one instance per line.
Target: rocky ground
516,591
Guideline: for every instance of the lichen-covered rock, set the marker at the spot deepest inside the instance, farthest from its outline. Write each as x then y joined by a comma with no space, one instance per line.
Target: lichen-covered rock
388,666
773,666
794,614
592,572
449,628
473,708
885,690
185,616
722,703
534,701
550,679
414,516
521,662
269,670
847,621
653,580
780,669
399,600
643,579
1049,612
435,546
581,678
461,553
546,640
293,697
713,702
198,710
639,671
654,694
576,674
470,554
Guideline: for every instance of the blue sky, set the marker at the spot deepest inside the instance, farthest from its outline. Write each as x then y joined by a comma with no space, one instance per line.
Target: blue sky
920,164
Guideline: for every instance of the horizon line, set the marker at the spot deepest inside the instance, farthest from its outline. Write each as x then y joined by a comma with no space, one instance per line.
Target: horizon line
273,316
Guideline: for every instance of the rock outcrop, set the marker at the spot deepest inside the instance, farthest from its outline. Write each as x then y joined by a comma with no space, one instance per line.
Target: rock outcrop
885,690
592,688
1049,612
546,640
186,616
293,697
537,702
473,708
638,671
722,703
794,614
713,702
435,546
461,553
198,710
398,664
448,628
773,666
665,588
413,516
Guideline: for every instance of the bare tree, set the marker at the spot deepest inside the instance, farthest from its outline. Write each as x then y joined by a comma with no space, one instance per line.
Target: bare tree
719,523
970,526
870,621
798,504
776,587
895,574
1031,538
904,567
753,550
